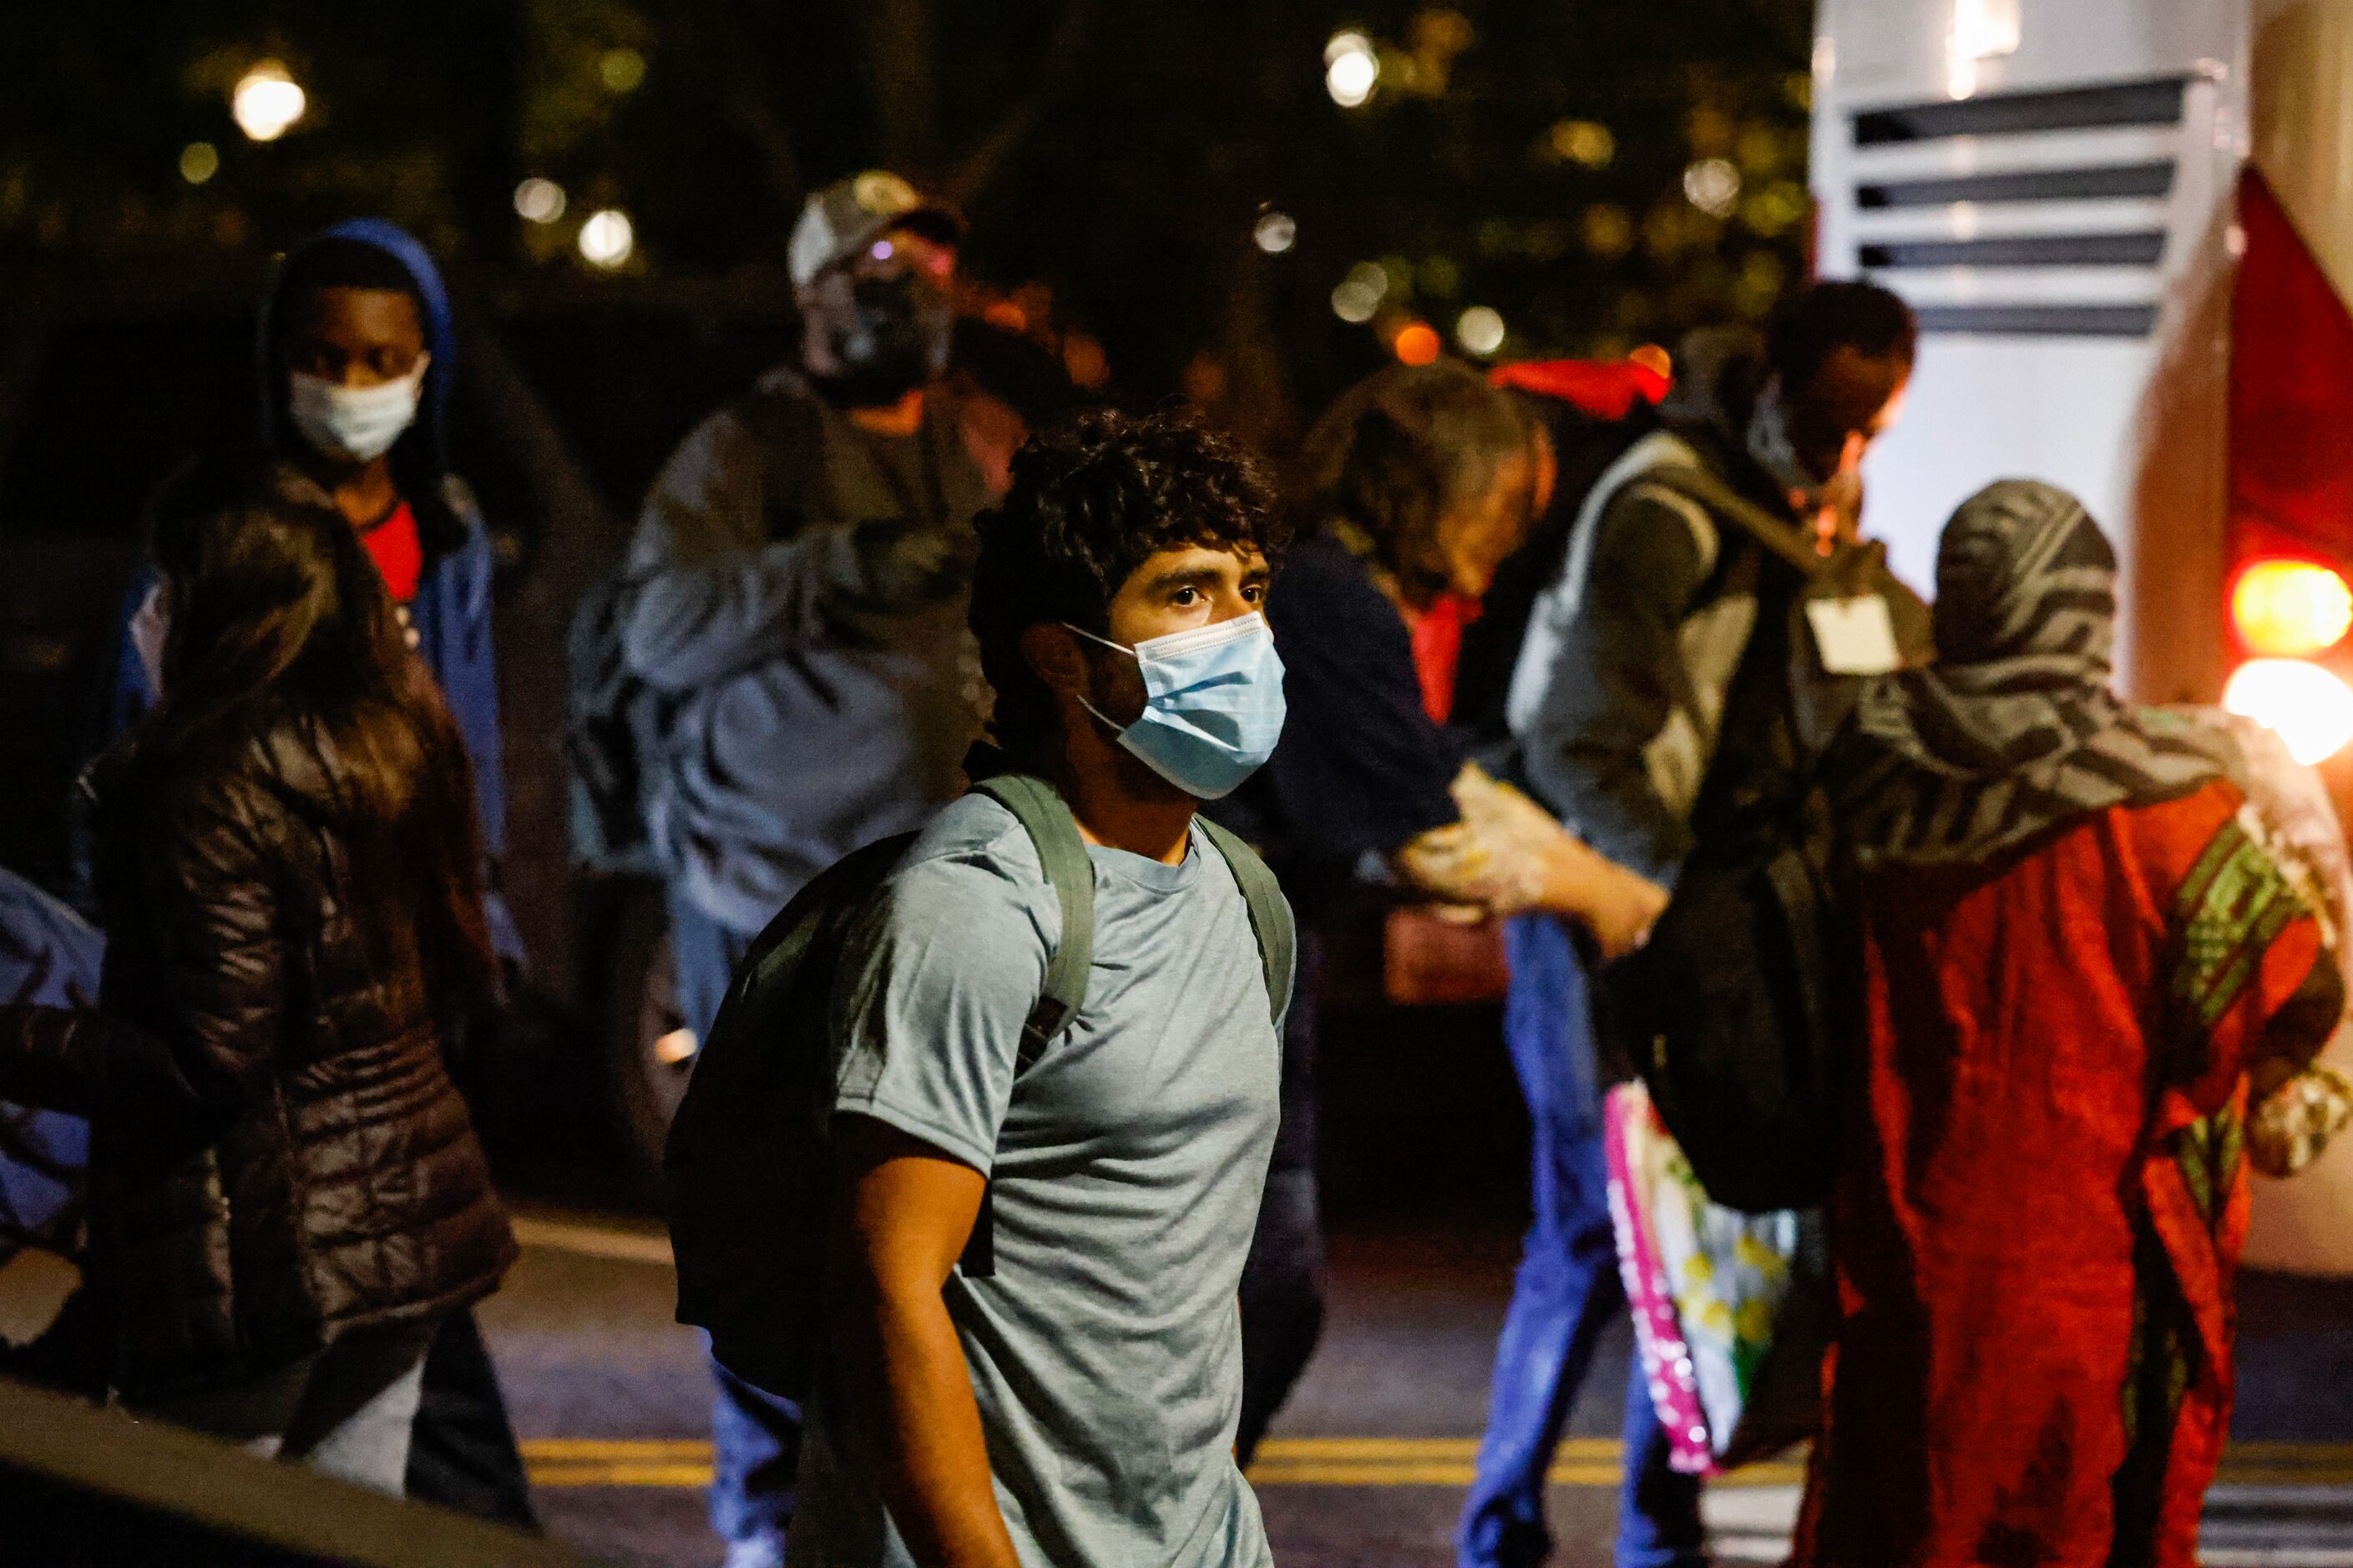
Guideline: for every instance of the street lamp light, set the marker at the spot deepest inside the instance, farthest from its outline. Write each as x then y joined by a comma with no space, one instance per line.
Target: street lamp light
1480,330
607,238
1350,68
538,200
1713,185
266,102
1358,296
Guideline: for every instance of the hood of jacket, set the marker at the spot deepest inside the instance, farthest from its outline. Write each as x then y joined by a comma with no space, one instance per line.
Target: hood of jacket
1719,370
421,456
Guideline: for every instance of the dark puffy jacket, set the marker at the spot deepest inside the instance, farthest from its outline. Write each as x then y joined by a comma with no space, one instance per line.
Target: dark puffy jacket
279,1154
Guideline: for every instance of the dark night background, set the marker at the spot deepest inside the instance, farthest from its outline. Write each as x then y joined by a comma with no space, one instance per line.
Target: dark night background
1529,157
1602,175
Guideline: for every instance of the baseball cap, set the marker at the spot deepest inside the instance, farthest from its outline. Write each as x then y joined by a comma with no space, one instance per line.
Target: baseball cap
844,217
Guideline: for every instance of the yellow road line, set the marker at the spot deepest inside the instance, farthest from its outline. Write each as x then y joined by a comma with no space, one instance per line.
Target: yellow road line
616,1449
2292,1453
613,1243
1356,1462
621,1475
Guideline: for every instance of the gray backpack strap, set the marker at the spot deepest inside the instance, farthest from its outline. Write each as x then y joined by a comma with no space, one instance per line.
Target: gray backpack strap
1270,915
1062,853
1783,537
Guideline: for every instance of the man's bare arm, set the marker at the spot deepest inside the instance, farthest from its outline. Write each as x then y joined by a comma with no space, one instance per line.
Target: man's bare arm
903,1214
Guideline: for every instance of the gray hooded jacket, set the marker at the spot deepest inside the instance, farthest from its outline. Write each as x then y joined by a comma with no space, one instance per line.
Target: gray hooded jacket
1618,698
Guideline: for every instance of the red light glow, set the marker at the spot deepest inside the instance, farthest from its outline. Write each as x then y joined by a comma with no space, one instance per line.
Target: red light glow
1416,343
2286,609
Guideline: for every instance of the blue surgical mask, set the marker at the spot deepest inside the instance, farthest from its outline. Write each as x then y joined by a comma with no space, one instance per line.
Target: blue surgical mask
1213,704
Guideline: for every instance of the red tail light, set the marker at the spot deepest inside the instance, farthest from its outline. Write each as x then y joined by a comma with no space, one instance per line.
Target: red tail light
2286,609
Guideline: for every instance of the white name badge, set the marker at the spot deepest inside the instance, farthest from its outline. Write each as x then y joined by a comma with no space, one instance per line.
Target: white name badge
1854,637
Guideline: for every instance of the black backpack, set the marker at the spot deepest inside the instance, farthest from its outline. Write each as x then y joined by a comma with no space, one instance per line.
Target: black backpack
746,1168
1727,1015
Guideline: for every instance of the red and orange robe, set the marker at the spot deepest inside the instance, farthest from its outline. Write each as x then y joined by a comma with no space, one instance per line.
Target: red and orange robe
2045,1192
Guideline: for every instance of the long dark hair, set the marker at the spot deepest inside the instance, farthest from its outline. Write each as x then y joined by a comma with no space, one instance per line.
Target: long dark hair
280,625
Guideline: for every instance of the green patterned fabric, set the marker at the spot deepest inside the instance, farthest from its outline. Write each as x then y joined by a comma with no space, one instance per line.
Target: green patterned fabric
2231,906
2208,1152
2233,903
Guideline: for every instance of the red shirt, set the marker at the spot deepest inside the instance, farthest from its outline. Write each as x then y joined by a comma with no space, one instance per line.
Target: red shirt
398,551
1437,634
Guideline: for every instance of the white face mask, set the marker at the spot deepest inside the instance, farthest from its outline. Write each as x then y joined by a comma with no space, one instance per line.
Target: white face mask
354,423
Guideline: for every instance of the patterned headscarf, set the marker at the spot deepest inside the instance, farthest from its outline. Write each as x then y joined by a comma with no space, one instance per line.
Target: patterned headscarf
2014,730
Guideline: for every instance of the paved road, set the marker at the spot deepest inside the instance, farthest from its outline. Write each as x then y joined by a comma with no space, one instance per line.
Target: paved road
1368,1465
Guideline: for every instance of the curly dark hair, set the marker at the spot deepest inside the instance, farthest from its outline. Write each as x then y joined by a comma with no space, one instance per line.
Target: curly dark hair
1092,499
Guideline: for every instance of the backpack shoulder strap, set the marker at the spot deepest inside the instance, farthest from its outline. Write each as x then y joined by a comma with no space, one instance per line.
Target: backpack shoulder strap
1062,853
1270,914
1782,537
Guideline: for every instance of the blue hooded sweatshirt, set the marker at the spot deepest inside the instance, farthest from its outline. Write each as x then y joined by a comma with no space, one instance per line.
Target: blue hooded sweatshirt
452,612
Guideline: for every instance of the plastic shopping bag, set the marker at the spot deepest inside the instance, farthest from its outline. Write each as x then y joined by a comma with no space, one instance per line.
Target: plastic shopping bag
1731,1310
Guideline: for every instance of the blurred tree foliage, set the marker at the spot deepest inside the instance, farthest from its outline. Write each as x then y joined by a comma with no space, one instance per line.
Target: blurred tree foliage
1599,173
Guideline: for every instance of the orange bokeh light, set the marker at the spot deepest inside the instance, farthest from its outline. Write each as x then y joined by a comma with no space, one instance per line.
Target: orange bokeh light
1654,359
1417,343
2285,609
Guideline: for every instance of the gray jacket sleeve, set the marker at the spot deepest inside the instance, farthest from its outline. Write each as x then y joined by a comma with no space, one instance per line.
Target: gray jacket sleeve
708,594
1611,688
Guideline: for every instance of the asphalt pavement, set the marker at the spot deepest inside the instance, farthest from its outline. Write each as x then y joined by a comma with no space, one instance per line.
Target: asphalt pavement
1368,1466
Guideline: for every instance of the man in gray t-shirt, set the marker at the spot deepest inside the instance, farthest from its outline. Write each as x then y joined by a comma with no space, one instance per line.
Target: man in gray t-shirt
1075,1406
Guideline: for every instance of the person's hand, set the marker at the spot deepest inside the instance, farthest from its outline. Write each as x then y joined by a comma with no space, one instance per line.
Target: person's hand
1621,907
1453,864
1540,865
1838,505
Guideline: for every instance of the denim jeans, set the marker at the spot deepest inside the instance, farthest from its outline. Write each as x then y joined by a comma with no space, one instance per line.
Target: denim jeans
755,1437
1567,1292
